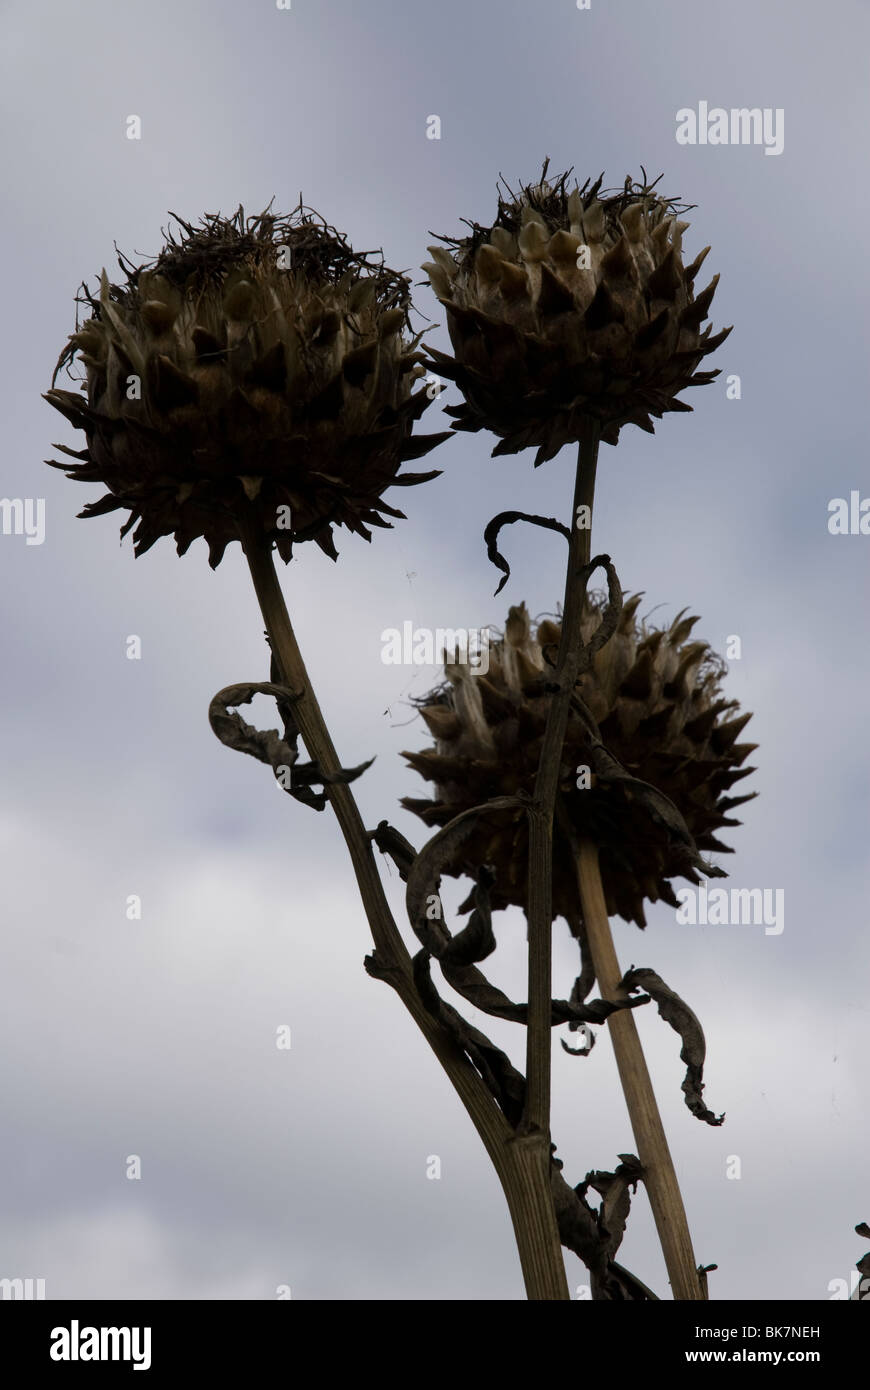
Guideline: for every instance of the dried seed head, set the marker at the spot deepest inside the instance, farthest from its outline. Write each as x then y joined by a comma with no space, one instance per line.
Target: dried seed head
656,697
572,305
257,368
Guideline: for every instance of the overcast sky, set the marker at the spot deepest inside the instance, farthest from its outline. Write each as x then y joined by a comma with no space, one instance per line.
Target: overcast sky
156,1037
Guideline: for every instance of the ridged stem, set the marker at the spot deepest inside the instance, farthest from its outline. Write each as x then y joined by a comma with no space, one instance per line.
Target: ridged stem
539,1033
525,1181
660,1178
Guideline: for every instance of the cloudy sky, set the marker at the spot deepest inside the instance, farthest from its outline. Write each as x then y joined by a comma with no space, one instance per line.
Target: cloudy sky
156,1038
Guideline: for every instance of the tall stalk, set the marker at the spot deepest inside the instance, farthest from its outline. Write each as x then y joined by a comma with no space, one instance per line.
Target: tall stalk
539,1034
660,1178
652,1147
524,1178
540,889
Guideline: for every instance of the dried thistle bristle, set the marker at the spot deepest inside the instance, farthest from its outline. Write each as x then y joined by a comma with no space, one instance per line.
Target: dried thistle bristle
256,367
573,305
656,697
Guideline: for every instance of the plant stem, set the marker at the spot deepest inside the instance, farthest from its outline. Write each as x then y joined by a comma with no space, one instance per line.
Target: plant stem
539,1034
540,885
526,1183
660,1178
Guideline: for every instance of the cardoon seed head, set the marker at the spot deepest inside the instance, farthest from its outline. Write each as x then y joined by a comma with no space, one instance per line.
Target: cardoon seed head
573,304
256,367
656,698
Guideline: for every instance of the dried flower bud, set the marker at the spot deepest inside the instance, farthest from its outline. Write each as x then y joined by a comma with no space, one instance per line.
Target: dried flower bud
573,305
258,367
656,697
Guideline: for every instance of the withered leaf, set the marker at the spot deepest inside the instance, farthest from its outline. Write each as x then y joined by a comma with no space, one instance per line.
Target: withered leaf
232,730
493,528
390,841
268,747
424,874
612,611
615,1190
582,1231
457,956
694,1050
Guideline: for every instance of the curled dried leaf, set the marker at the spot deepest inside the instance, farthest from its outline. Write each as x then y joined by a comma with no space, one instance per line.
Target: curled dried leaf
268,746
493,528
693,1052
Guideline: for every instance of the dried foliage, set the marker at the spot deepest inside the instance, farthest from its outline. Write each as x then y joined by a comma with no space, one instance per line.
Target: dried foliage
694,1050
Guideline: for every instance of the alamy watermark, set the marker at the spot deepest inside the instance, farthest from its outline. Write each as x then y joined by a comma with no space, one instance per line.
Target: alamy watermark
849,517
741,125
737,907
76,1343
426,646
28,1290
24,516
855,1287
